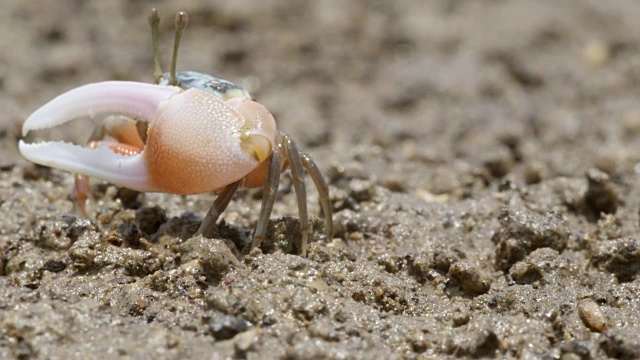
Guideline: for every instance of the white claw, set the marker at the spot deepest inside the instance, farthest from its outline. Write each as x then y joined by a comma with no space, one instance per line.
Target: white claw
139,100
102,163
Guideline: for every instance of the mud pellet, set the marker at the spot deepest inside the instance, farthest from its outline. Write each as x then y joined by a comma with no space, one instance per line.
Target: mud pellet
592,315
471,279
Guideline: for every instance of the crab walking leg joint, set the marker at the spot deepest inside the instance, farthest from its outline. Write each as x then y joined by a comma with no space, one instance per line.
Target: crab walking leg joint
188,133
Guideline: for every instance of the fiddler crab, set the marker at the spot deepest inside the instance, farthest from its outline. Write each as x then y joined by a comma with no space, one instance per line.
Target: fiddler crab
188,133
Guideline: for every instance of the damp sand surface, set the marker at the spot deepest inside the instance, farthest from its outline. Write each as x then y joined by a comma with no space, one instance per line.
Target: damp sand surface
482,158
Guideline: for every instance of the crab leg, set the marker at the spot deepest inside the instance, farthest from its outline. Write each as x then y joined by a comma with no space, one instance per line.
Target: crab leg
82,189
268,199
219,205
297,174
323,192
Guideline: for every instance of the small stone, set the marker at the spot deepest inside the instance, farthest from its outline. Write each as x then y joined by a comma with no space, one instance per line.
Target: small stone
54,265
323,330
224,327
129,234
195,293
619,343
574,349
395,185
485,344
460,317
442,259
523,273
596,54
591,314
218,300
620,257
391,264
601,196
471,279
361,190
245,340
499,163
420,267
306,306
534,173
214,256
534,266
523,230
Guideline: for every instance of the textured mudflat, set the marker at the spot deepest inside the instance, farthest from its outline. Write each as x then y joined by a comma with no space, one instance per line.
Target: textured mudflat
482,157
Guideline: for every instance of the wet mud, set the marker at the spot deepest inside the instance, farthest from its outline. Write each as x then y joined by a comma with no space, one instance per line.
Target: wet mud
482,158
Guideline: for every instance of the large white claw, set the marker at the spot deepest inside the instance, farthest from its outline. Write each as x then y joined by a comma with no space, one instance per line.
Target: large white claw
102,163
139,100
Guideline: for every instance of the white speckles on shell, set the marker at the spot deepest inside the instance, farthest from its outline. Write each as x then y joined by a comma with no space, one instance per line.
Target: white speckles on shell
194,145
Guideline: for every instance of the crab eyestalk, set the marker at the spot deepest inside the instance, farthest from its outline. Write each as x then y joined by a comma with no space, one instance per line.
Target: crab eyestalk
154,21
182,19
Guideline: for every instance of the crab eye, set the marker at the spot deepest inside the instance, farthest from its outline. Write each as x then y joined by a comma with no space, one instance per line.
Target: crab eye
221,88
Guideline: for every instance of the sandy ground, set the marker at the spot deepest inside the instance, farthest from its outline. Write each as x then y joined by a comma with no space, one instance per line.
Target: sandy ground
482,158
